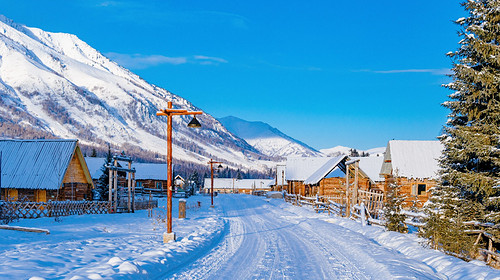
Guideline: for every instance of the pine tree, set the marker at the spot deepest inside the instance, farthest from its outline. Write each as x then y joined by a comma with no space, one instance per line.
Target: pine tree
394,219
469,189
102,184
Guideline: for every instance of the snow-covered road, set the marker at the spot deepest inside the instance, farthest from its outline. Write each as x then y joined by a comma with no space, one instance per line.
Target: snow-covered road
243,237
263,241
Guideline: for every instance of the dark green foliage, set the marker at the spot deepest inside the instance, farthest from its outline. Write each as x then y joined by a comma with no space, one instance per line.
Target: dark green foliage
469,190
101,191
392,209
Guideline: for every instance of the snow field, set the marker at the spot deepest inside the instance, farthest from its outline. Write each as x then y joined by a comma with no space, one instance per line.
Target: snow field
120,246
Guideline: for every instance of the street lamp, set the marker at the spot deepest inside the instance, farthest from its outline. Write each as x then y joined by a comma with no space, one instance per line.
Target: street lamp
169,112
212,162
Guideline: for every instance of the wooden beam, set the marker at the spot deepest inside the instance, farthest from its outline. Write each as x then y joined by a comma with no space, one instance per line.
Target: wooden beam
26,229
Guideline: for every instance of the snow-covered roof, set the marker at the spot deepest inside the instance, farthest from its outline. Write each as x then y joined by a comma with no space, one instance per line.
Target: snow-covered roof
230,183
301,168
150,171
325,169
412,159
94,164
371,166
143,171
35,164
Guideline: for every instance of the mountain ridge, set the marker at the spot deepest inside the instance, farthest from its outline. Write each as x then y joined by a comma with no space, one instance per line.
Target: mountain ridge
55,85
267,139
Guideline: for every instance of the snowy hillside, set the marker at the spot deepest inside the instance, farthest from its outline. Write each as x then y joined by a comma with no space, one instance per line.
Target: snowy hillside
266,139
54,84
341,150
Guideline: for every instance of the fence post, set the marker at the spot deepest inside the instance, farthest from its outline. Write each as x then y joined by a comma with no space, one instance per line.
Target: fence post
363,213
182,208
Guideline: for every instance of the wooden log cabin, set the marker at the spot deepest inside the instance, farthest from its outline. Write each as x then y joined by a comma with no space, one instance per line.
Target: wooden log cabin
413,165
42,170
326,176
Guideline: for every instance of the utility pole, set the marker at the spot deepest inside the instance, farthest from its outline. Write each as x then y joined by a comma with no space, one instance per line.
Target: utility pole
169,113
212,162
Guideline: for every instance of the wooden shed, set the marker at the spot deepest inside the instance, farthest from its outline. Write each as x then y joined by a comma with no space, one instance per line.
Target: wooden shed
42,170
414,165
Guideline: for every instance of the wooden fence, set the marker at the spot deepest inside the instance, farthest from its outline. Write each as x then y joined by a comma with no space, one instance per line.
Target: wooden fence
13,210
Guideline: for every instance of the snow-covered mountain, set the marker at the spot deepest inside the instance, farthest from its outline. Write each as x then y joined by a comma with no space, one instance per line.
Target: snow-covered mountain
266,139
54,84
341,150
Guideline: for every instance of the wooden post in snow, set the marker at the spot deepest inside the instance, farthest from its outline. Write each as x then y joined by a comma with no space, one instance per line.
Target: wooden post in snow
110,194
133,192
356,184
347,208
129,186
115,185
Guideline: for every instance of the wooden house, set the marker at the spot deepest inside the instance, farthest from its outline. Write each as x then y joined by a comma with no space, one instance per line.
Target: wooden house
414,165
42,170
326,176
151,176
233,185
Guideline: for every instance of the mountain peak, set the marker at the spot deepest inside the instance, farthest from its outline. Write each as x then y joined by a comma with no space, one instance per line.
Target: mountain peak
267,139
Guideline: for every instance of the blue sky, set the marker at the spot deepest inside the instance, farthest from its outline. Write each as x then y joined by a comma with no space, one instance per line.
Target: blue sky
351,73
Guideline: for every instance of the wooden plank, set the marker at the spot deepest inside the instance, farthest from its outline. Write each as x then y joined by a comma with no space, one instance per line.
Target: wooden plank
26,229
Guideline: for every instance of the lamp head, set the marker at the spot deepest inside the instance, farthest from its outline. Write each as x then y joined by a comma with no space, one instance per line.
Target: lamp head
194,123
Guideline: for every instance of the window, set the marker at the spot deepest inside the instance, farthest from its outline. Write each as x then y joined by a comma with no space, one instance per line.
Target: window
414,190
159,185
138,184
421,189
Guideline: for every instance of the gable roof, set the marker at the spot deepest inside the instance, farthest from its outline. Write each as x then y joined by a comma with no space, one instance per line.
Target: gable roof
371,167
412,159
35,164
311,169
324,170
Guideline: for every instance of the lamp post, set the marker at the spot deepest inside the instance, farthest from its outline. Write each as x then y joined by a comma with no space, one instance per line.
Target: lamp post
212,162
169,112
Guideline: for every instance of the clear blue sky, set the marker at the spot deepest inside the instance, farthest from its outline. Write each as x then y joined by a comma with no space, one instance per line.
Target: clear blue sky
352,73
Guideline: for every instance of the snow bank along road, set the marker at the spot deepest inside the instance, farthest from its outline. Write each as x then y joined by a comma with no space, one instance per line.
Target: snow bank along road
243,237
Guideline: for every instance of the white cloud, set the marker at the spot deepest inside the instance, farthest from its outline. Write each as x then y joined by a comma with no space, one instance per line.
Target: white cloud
139,61
209,59
442,71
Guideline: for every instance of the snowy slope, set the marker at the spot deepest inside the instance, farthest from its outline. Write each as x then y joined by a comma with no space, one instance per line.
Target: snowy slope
341,150
56,84
266,139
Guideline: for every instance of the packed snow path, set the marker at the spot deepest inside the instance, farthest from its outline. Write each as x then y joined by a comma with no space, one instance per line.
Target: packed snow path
263,241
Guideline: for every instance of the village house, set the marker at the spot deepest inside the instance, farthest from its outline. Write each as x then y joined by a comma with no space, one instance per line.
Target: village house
325,176
413,165
233,185
42,170
148,176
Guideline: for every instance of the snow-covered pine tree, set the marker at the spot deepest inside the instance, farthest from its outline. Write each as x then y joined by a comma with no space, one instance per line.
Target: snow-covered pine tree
102,184
470,187
394,219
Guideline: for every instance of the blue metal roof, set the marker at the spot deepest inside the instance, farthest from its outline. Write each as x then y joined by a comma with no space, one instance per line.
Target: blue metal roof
35,164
